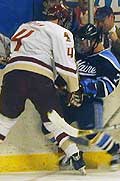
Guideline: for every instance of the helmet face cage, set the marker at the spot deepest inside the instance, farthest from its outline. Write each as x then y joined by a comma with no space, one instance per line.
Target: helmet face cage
88,38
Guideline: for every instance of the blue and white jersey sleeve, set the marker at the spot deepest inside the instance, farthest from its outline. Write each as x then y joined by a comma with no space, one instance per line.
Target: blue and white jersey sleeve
109,80
101,72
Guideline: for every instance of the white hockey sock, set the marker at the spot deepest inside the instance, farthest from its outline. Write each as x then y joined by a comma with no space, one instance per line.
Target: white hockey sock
62,139
71,149
6,124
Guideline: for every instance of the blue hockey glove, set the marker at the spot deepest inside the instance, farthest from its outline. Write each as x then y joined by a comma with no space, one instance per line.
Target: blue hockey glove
89,86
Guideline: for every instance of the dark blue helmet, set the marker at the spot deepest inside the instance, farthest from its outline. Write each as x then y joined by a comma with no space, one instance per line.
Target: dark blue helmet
89,32
87,39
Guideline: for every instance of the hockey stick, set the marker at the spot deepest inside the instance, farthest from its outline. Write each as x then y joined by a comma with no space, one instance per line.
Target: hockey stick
61,124
109,128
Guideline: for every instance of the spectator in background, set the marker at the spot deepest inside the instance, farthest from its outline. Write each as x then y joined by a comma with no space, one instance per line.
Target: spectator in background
105,20
107,3
4,50
84,12
78,11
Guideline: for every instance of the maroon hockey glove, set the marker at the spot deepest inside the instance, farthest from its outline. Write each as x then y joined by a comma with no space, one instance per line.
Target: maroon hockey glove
75,99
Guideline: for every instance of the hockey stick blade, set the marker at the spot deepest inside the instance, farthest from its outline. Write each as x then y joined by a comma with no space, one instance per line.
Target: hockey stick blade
61,124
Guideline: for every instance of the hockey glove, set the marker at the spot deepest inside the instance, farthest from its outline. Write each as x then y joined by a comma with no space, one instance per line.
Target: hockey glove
71,99
75,99
89,87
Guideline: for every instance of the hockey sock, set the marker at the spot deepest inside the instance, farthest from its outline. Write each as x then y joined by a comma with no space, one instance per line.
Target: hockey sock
5,125
66,144
62,139
104,141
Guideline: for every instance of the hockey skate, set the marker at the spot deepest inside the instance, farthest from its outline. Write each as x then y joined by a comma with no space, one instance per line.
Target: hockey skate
75,162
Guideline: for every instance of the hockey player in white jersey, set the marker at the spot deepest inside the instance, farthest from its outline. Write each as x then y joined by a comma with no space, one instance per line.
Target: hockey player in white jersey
37,49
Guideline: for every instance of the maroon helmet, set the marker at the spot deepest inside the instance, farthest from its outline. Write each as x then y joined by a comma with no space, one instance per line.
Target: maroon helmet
58,11
55,10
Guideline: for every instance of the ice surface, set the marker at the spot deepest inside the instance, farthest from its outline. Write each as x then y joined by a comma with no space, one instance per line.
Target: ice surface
92,175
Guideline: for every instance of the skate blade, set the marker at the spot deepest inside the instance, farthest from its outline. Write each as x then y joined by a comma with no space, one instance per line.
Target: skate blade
69,167
83,170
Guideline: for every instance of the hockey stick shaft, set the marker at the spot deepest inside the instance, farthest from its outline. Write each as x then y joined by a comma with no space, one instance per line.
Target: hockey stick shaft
109,128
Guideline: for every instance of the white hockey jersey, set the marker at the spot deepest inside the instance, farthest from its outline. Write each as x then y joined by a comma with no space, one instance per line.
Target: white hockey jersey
36,44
